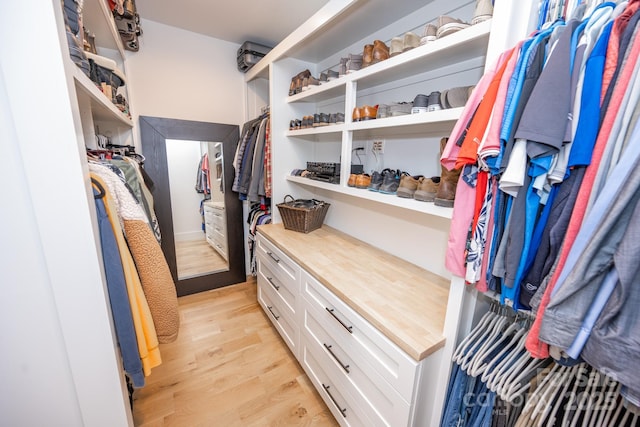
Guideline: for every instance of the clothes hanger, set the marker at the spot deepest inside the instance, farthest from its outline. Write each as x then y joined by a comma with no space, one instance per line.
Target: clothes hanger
515,345
462,347
520,382
492,333
542,405
479,364
479,337
497,376
535,397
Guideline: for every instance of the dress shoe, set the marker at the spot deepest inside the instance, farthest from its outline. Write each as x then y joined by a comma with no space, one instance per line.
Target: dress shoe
380,51
427,189
369,112
309,82
363,180
446,194
332,75
367,55
352,180
357,114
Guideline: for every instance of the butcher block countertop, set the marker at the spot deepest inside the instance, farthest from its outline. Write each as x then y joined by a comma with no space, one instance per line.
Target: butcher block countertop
405,302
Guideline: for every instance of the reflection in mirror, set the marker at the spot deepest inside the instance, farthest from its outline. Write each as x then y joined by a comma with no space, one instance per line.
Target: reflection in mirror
197,206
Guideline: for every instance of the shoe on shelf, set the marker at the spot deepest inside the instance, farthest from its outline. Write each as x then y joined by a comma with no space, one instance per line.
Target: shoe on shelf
363,180
430,34
352,180
434,101
323,119
376,180
309,82
357,114
420,104
408,186
449,25
410,41
292,125
332,118
369,112
380,51
342,68
383,111
427,189
367,55
395,46
299,79
332,75
323,78
390,181
483,11
400,108
339,118
455,97
292,86
446,194
354,63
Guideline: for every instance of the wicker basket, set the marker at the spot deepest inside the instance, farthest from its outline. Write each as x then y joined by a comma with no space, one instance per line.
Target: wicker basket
302,215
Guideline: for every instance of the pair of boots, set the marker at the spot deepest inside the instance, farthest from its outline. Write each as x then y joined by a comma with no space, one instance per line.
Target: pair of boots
374,53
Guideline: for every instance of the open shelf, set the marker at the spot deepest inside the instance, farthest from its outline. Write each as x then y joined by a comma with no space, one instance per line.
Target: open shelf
430,123
317,131
387,199
101,107
99,20
325,91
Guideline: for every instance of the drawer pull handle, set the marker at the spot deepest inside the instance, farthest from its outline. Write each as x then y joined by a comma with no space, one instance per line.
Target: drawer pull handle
344,325
276,287
273,257
345,367
272,313
342,411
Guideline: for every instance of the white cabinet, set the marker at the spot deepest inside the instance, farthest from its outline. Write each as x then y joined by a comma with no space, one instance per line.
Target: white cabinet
216,227
364,377
279,291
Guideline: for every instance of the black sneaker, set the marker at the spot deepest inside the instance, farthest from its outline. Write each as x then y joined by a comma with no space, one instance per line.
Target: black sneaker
377,178
390,181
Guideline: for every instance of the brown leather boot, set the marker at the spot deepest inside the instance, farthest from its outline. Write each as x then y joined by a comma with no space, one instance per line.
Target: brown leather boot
448,183
380,51
367,55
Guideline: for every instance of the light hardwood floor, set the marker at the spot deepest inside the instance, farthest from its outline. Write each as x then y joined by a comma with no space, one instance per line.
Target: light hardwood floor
228,367
197,257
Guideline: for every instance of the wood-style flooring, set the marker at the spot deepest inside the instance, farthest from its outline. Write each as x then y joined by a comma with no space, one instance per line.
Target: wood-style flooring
197,257
228,367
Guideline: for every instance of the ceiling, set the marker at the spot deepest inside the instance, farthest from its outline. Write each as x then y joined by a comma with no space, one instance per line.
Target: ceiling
237,21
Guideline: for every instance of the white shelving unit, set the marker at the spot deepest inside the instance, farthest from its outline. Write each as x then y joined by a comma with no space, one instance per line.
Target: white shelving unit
412,230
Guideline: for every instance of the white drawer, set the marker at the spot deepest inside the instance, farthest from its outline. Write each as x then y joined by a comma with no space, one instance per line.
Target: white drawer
287,293
367,345
341,404
287,269
369,389
280,317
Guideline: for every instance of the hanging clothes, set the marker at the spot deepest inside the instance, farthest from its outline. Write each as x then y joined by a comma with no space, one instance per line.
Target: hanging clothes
252,160
545,207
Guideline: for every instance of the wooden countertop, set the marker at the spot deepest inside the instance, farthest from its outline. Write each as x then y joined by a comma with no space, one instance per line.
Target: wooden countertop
405,302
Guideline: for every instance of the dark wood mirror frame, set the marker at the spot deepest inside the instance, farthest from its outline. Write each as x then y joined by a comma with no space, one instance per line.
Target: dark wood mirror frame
154,132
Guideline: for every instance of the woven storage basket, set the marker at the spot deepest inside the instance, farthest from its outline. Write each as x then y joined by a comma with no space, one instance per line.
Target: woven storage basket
302,215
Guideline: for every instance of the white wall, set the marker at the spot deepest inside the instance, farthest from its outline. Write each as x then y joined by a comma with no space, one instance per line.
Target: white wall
182,164
183,75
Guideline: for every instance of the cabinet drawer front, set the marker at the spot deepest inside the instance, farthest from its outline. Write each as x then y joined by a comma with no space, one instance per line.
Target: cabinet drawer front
280,263
286,296
341,404
281,319
367,344
365,384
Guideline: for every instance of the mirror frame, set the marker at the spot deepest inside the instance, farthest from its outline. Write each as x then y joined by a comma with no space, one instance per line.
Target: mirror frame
154,131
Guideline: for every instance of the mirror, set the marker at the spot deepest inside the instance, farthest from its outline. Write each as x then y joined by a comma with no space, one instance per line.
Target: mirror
197,206
186,209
